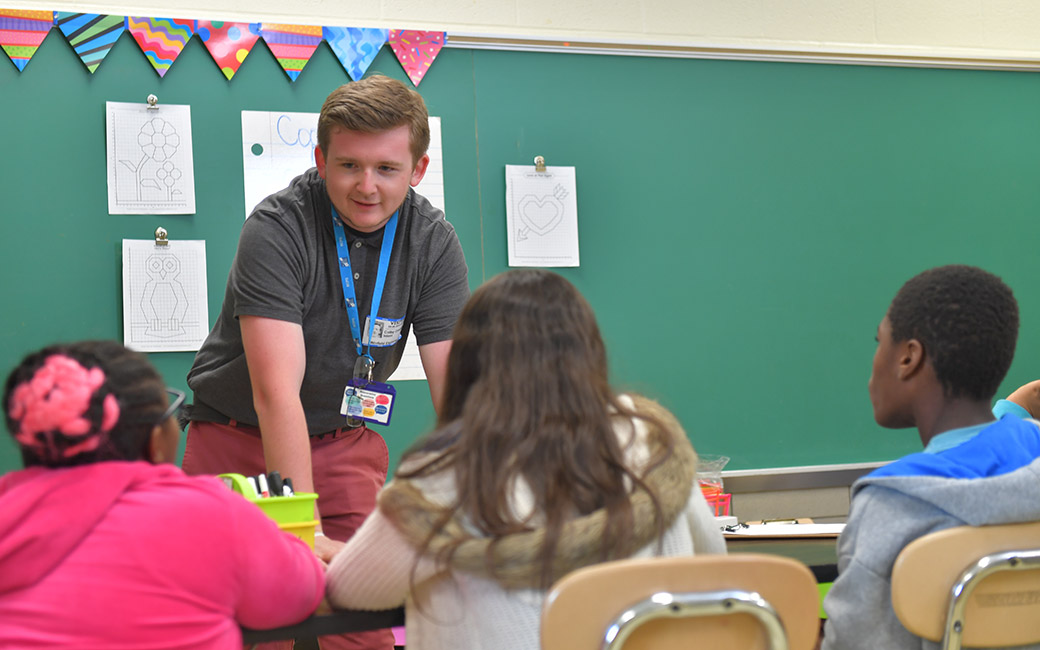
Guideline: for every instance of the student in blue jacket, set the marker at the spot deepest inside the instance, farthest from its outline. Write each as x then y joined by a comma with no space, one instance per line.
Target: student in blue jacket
944,346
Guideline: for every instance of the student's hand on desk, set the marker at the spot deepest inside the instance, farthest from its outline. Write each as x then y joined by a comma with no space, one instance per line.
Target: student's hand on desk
326,548
1028,397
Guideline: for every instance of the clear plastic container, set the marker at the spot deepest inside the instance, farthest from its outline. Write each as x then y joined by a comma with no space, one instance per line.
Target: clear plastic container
709,472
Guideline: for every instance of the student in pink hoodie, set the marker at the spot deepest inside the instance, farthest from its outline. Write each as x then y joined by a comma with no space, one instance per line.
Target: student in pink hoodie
105,544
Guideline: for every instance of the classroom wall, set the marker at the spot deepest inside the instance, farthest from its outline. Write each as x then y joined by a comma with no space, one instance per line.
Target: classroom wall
743,225
791,202
1000,29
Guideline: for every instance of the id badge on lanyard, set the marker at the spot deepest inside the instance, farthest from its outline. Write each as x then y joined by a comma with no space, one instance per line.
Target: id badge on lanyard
364,400
371,401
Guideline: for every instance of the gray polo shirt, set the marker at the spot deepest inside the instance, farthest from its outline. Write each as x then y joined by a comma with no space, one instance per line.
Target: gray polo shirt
286,268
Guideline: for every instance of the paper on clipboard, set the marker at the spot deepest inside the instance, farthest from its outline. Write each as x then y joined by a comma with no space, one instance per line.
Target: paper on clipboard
150,162
165,304
541,216
787,530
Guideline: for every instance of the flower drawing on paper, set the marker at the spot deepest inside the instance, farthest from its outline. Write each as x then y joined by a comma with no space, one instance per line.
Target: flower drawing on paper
168,174
158,139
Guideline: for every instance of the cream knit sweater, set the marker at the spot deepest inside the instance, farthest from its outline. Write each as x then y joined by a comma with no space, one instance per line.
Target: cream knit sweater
453,610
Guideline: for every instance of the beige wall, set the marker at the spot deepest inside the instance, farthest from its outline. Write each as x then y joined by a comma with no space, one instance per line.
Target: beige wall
959,29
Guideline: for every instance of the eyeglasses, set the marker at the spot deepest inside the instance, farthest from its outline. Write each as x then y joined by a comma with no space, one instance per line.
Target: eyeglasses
176,398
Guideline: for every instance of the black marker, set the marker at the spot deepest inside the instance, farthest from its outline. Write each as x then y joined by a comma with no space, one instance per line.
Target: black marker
274,482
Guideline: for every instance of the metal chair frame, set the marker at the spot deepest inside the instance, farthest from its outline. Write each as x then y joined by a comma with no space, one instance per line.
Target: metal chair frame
970,578
712,603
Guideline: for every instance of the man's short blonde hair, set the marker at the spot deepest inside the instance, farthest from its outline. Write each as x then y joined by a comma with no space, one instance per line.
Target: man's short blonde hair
372,105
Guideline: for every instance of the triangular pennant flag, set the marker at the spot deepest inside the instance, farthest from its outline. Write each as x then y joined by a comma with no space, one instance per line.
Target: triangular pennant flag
292,45
355,47
90,35
21,33
416,51
161,39
228,43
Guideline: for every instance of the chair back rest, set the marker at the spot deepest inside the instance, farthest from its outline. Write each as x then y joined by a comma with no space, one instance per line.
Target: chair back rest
716,601
976,586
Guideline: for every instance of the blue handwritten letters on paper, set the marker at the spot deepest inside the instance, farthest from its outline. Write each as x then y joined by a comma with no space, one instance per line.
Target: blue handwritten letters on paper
294,135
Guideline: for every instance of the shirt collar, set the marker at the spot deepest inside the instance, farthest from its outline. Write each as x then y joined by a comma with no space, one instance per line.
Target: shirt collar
953,438
367,239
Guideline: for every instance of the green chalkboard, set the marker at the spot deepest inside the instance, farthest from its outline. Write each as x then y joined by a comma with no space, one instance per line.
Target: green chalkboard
743,225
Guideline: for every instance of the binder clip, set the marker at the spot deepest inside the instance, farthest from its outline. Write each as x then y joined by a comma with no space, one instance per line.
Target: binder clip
160,237
153,103
539,164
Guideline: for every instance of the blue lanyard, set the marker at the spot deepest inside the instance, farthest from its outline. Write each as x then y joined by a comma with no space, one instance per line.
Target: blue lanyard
348,280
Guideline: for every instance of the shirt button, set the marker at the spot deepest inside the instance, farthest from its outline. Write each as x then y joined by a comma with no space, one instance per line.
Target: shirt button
357,276
357,244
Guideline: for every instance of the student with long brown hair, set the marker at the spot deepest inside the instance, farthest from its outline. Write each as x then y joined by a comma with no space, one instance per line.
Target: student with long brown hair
536,468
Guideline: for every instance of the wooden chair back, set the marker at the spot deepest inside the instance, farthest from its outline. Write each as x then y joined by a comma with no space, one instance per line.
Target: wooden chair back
744,600
971,586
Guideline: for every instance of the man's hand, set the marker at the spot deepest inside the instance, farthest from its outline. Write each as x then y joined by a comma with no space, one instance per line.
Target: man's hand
326,548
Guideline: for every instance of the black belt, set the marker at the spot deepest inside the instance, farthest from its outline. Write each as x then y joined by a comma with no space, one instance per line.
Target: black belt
249,427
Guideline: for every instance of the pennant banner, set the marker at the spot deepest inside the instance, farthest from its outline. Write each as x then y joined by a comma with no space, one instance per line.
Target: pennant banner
228,43
21,33
292,45
416,51
355,48
161,39
90,35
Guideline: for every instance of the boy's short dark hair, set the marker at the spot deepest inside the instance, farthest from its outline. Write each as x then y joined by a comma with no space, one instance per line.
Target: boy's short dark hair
966,319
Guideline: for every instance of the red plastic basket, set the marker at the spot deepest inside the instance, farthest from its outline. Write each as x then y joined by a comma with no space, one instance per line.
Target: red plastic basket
717,500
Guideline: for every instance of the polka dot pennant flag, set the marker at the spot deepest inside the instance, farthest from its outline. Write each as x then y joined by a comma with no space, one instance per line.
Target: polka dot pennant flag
355,47
228,43
90,35
161,39
21,33
416,51
292,45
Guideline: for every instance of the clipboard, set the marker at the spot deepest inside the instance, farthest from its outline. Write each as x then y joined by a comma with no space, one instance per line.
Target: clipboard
786,529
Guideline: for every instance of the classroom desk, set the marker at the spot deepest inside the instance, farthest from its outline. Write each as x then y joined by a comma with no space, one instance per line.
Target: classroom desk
336,622
819,553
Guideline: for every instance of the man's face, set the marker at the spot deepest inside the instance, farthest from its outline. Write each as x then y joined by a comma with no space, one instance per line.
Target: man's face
887,393
368,174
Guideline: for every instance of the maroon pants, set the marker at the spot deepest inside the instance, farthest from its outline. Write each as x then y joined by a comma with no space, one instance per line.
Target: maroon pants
349,468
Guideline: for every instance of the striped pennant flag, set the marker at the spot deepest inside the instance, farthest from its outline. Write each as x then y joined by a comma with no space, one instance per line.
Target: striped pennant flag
161,39
228,43
292,45
21,33
90,35
355,47
416,51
